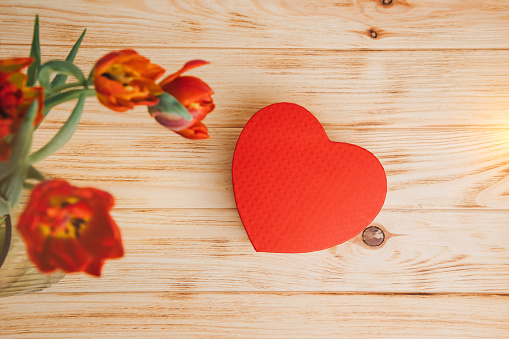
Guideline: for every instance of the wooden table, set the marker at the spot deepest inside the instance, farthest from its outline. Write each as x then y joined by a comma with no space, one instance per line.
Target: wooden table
424,85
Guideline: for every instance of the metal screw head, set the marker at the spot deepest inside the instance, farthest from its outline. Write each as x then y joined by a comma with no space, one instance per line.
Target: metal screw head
373,34
386,2
373,236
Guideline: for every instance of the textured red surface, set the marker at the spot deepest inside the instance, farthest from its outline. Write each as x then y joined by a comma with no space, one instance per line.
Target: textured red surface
297,191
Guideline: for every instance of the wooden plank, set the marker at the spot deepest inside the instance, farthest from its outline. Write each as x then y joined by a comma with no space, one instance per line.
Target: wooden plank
434,114
462,251
331,24
404,89
151,167
263,315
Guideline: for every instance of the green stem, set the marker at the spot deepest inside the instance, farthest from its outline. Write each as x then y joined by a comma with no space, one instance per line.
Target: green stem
57,99
28,185
60,88
63,135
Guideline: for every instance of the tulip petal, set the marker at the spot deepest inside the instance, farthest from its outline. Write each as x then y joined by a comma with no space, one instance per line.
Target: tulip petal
106,61
29,95
197,131
69,228
15,100
125,79
189,90
153,72
40,257
15,64
188,66
105,86
95,267
111,104
17,79
70,256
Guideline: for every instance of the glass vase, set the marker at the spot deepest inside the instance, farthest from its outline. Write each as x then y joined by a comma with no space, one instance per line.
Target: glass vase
17,274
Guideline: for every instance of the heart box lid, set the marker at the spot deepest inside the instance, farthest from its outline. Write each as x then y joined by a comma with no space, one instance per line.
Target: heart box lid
296,191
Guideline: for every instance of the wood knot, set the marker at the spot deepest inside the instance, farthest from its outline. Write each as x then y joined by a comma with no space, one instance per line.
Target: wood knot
386,2
373,33
373,236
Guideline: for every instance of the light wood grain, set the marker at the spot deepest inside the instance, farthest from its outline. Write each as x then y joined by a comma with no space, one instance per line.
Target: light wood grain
254,315
331,24
151,167
403,89
429,96
208,250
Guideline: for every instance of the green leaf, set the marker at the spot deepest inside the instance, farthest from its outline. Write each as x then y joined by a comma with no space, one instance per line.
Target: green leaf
35,52
61,78
34,173
11,187
5,233
4,207
63,135
19,143
169,104
90,80
60,98
60,67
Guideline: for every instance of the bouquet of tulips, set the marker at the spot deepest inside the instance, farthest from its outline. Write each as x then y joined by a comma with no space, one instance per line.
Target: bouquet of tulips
64,226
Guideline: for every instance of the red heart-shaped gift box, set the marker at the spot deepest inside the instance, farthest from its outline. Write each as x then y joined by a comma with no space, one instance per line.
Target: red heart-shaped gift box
297,191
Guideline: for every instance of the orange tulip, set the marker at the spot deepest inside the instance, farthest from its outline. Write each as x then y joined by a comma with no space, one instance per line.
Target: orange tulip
193,94
69,228
125,79
15,99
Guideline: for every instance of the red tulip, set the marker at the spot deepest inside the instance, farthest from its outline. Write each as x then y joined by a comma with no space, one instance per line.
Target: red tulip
15,99
125,79
195,95
69,228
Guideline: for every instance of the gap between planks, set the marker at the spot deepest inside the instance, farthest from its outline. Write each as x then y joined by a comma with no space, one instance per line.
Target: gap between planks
317,49
277,292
